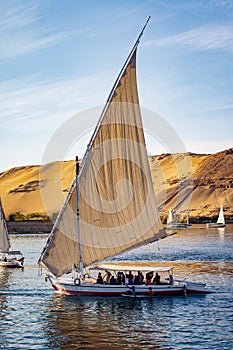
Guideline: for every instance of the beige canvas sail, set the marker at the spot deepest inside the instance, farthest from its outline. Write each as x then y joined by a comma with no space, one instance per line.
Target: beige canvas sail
4,241
117,205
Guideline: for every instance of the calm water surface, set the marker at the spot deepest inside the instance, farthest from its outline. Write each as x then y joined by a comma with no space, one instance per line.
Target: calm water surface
32,316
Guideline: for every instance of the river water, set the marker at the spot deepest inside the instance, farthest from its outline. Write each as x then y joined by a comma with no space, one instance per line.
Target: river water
33,316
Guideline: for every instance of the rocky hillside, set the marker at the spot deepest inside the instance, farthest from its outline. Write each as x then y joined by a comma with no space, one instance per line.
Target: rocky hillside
198,182
181,181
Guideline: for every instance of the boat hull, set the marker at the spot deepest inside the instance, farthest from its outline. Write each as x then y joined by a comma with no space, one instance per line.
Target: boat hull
88,289
178,225
194,287
215,225
11,264
12,259
93,289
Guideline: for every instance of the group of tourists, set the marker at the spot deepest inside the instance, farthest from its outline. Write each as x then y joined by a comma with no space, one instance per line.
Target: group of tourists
129,279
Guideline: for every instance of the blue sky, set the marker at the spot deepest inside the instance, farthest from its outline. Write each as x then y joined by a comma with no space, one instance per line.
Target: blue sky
61,57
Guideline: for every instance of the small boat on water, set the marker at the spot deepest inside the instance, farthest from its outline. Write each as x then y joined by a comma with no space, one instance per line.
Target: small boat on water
111,206
220,222
172,225
8,258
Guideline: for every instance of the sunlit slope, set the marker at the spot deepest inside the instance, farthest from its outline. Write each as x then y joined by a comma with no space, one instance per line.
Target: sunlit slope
27,189
181,181
198,182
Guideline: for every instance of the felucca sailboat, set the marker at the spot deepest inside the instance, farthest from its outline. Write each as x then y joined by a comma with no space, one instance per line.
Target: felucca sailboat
111,206
8,258
172,225
220,222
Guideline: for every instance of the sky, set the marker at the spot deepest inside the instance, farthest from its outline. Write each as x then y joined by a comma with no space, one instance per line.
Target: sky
59,58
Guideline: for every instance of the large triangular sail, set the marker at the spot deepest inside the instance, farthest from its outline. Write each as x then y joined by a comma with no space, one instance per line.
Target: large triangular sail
4,238
117,205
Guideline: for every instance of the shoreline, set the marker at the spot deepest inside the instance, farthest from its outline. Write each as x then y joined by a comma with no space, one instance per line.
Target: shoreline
32,226
45,227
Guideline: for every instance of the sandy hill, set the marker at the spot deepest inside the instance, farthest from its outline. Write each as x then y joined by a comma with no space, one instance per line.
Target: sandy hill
181,181
26,189
198,182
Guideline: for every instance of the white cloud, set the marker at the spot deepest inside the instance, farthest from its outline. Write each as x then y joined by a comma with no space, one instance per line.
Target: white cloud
19,44
203,38
21,31
15,15
26,102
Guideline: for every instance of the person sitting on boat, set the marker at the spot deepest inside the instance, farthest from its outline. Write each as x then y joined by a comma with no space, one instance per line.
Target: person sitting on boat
141,278
120,278
149,277
100,279
130,277
107,276
137,278
112,280
171,280
156,279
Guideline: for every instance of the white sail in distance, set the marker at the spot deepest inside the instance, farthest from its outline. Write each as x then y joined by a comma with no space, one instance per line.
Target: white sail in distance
170,217
117,204
221,219
4,239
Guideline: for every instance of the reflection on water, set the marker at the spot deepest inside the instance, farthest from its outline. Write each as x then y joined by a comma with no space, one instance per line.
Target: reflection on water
4,278
33,317
221,233
112,323
127,323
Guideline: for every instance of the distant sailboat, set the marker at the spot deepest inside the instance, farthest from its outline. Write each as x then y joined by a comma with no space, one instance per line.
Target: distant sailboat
170,218
171,224
8,258
220,222
111,206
